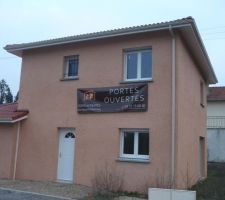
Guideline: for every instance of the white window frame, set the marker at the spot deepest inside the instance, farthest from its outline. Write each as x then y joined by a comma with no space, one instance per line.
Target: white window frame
66,67
138,65
135,155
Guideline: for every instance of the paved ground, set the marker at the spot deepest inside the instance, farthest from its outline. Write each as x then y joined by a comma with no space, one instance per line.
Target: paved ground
44,190
64,190
8,194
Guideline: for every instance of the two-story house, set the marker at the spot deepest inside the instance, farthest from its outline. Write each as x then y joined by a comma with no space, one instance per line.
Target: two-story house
133,98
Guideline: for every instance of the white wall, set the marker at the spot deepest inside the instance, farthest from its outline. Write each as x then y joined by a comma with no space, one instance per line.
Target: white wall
170,194
216,108
216,114
216,145
216,131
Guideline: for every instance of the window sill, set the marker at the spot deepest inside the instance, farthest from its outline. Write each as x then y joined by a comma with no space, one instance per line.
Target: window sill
69,79
136,160
136,81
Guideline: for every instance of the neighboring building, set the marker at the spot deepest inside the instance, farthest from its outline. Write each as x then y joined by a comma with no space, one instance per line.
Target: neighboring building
216,124
134,98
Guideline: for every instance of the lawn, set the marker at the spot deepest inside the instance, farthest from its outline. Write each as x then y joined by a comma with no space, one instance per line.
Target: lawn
212,188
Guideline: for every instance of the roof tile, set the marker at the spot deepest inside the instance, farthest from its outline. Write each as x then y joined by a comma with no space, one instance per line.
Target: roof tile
98,34
10,112
216,94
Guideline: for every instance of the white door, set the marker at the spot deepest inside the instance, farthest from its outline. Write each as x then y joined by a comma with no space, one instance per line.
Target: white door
66,155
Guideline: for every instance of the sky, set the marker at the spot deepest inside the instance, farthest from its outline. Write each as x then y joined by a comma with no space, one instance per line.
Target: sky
34,20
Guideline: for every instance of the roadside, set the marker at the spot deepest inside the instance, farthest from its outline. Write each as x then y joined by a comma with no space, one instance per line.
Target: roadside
212,188
54,190
10,194
65,190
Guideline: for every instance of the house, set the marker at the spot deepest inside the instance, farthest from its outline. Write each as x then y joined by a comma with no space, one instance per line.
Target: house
216,124
132,98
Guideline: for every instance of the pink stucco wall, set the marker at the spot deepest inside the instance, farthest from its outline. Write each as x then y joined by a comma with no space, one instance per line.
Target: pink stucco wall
52,104
191,118
7,149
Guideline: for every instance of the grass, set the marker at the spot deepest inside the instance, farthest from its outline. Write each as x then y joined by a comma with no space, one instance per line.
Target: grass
212,188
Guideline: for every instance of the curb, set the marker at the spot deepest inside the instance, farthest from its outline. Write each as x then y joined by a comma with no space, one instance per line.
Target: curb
35,193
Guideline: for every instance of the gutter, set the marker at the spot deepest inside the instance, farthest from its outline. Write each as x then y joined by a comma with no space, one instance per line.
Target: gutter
11,121
16,151
173,108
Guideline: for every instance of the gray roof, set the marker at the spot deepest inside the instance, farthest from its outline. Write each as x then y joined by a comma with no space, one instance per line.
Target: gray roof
186,26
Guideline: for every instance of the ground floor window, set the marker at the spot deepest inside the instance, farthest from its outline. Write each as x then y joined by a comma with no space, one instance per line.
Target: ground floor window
134,143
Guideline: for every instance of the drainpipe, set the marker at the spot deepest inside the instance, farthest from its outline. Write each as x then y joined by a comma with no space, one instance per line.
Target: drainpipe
16,151
173,108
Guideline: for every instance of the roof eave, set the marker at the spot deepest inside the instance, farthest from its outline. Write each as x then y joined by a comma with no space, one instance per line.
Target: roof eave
212,77
11,121
18,51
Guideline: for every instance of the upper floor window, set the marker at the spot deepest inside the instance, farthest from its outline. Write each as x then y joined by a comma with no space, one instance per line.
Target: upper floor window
71,64
138,65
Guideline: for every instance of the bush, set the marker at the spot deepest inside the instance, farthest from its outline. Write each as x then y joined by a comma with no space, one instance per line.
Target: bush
107,181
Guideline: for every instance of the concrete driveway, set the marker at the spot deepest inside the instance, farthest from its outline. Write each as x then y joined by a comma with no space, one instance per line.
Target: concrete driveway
10,194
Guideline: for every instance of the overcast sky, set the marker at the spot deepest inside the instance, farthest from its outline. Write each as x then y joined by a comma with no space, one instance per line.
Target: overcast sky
33,20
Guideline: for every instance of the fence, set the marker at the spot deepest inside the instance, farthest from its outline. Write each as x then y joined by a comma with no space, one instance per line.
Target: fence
216,122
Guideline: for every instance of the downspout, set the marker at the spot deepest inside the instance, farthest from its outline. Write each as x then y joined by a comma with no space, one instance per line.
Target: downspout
16,150
173,108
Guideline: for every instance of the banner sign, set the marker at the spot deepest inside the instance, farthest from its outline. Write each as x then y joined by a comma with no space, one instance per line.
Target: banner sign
129,98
